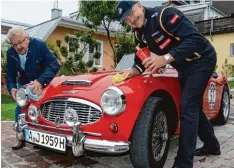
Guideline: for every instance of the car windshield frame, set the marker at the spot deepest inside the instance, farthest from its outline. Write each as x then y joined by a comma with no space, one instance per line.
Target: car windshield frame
127,62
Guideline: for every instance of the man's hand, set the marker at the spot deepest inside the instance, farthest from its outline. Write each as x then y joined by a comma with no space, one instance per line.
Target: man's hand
36,87
153,63
13,93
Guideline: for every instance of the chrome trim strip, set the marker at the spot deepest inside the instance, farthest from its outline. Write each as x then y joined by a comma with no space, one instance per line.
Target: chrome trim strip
115,89
61,129
85,82
77,100
122,95
70,92
105,146
165,75
93,133
82,101
45,126
148,74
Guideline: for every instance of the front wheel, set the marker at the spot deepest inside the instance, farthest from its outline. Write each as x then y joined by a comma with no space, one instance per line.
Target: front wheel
225,108
150,138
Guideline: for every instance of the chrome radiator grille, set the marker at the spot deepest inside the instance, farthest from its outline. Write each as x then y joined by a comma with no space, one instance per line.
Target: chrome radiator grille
87,112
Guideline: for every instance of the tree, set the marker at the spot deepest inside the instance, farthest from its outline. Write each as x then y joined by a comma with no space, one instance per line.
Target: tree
3,61
103,13
228,68
4,47
124,44
53,49
99,13
74,50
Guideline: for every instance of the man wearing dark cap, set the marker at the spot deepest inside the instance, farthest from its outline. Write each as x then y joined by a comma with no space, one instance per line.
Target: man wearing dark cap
176,41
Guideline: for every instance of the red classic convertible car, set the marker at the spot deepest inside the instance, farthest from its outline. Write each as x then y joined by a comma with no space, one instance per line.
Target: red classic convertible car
89,112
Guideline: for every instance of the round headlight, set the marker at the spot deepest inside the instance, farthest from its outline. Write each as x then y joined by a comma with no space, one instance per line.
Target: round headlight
21,97
70,117
33,113
113,101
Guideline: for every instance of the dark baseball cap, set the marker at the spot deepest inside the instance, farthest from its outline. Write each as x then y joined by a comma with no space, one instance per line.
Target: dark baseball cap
124,8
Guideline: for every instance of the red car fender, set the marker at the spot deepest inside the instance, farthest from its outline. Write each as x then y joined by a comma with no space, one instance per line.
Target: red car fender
136,100
219,82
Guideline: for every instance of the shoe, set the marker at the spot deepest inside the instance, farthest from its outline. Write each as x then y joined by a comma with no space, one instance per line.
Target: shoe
204,152
19,144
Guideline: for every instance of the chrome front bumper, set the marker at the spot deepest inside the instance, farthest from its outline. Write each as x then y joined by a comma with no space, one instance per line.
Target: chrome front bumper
102,146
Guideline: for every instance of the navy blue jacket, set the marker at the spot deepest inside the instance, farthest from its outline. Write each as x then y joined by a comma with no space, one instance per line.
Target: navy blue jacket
41,64
167,30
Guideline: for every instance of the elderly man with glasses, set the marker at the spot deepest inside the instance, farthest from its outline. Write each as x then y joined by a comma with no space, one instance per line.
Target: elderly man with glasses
31,61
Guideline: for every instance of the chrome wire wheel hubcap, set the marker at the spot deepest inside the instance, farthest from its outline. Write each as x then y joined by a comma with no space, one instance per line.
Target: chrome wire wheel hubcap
159,135
225,105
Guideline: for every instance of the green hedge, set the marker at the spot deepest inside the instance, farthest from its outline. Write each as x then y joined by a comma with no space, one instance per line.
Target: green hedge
7,107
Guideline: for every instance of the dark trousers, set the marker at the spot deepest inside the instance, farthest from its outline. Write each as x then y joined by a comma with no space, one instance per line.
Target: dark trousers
193,120
18,108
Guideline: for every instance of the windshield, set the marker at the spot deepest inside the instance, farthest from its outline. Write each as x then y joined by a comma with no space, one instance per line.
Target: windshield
127,62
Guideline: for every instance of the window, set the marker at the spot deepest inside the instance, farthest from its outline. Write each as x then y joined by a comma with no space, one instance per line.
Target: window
92,51
75,46
232,50
5,29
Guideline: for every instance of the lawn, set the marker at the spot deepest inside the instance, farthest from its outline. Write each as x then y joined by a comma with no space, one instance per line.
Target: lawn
7,107
231,84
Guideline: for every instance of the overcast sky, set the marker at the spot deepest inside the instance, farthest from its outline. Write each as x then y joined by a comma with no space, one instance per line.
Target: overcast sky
34,11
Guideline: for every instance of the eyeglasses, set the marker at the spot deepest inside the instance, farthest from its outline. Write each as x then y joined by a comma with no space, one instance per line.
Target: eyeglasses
19,43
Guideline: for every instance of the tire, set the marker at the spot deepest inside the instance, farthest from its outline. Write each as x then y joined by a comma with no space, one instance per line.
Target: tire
149,132
224,108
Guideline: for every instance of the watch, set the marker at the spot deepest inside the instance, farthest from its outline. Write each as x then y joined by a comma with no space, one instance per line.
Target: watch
167,58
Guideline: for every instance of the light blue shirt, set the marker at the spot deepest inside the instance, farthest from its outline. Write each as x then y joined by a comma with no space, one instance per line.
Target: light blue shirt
23,60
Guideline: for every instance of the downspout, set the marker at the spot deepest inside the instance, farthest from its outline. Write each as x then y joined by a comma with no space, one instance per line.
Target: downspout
211,28
212,20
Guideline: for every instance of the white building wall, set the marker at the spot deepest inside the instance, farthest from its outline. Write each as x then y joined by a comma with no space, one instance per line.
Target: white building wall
3,37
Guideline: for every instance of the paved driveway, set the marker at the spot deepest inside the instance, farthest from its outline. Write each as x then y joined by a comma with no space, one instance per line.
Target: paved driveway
30,157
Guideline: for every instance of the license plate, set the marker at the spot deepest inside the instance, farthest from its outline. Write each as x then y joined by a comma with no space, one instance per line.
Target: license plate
46,139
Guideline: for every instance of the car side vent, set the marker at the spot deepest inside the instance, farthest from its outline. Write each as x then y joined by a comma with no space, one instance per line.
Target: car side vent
77,82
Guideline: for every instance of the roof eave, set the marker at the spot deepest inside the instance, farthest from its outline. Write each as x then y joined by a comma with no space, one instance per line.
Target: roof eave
75,24
216,10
